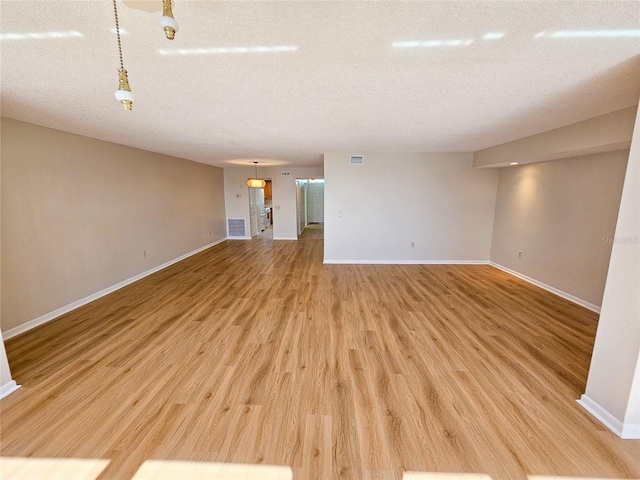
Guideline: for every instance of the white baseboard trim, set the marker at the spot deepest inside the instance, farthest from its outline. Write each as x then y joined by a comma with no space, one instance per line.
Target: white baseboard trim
238,238
285,238
626,431
405,262
8,388
548,288
47,317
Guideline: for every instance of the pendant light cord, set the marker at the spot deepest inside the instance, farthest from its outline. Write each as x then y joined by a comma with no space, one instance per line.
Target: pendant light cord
115,11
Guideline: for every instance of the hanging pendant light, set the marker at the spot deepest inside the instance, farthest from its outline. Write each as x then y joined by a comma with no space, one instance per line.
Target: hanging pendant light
256,182
167,21
123,94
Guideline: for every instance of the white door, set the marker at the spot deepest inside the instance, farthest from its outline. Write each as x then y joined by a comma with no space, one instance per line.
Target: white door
315,201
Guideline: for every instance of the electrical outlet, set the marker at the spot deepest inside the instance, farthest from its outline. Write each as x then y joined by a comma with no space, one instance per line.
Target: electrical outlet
209,232
413,244
519,253
144,253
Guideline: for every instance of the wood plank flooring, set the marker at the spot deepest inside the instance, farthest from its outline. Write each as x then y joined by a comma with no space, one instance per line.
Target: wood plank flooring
257,353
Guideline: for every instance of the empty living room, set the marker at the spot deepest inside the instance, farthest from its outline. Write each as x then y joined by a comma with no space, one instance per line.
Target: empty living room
319,240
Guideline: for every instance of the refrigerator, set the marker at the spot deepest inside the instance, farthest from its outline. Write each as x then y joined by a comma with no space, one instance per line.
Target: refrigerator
257,211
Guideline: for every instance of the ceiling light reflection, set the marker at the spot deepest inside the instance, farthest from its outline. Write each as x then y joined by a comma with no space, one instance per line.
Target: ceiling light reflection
432,43
39,35
493,35
221,50
590,34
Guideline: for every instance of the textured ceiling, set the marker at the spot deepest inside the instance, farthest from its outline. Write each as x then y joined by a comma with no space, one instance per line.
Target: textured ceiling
340,85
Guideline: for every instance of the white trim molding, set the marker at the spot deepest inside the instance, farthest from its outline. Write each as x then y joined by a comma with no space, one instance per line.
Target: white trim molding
626,431
406,262
8,388
285,238
549,288
47,317
238,238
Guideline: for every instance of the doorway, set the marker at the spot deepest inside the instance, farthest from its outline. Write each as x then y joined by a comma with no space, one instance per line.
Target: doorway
315,201
309,202
260,203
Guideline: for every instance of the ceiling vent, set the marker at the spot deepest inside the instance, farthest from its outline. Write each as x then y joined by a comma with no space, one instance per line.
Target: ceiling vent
236,227
356,160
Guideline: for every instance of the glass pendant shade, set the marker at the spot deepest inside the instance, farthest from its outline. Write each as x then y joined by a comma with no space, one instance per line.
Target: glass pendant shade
256,183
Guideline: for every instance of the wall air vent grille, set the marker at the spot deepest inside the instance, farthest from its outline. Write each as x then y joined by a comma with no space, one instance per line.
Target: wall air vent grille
236,227
356,160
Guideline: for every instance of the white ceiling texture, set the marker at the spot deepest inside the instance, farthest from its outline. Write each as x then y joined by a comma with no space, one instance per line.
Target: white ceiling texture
285,81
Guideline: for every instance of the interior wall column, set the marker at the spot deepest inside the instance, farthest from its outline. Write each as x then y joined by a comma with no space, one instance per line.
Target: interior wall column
7,384
613,386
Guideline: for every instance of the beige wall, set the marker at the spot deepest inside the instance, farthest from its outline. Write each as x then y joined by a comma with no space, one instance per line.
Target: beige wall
561,215
435,200
78,212
605,133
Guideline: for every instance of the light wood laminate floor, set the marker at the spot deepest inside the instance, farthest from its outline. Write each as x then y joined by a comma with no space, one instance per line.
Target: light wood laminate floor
257,353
